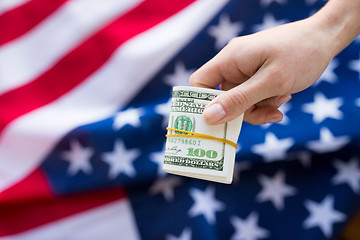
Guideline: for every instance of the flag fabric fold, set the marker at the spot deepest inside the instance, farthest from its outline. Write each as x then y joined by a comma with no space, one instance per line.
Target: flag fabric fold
84,103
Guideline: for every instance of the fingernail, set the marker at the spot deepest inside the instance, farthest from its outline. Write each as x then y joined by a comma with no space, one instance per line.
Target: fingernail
284,99
274,119
214,113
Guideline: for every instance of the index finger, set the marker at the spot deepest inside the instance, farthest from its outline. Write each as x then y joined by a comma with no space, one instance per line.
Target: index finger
222,69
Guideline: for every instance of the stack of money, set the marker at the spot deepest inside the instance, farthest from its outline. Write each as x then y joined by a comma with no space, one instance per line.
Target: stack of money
194,148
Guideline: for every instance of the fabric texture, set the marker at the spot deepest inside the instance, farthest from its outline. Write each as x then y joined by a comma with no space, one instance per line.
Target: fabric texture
84,104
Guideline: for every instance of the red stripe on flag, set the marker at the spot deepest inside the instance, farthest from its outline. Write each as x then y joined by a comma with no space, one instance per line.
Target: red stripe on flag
19,215
19,21
34,186
72,69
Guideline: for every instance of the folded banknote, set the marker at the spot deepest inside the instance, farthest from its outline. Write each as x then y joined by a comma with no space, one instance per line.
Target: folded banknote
194,148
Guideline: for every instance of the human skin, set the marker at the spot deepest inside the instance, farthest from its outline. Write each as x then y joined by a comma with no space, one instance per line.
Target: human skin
260,71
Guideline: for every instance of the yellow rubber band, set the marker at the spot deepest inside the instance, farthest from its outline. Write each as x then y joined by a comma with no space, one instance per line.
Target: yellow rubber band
199,135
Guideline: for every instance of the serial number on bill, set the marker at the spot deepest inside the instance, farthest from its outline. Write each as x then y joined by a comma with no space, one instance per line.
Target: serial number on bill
182,141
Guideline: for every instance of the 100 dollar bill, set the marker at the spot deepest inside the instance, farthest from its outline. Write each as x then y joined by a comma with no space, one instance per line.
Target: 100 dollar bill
199,156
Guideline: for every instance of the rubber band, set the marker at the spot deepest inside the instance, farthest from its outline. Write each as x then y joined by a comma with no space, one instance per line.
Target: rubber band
199,135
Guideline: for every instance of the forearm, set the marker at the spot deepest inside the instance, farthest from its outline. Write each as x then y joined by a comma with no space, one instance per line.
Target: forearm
341,21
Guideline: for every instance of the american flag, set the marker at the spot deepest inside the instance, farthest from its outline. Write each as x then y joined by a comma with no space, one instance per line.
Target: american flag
84,102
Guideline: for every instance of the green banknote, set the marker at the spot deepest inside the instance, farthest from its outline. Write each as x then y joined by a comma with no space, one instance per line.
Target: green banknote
194,148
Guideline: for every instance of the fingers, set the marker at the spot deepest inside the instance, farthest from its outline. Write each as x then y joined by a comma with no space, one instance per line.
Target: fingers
253,92
266,111
220,70
231,104
208,76
252,86
262,115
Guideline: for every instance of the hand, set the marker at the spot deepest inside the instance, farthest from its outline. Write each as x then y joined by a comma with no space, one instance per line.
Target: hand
262,70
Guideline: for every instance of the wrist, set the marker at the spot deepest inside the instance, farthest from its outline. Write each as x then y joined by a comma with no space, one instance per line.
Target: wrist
340,20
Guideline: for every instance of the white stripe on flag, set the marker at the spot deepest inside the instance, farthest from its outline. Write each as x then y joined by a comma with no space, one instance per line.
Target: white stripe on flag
107,90
110,221
7,5
27,57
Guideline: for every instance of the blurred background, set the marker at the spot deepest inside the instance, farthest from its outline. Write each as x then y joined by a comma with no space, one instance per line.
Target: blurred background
84,102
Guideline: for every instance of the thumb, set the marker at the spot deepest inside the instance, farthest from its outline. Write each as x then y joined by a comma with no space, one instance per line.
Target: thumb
231,104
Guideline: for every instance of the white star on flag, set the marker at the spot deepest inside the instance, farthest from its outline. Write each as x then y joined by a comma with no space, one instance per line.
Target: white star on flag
238,149
205,204
329,73
323,108
265,3
78,158
323,215
166,186
248,229
120,160
275,190
225,31
355,66
130,116
268,22
158,158
180,77
283,109
348,172
310,2
164,110
303,156
357,102
239,167
357,39
273,149
185,235
327,142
